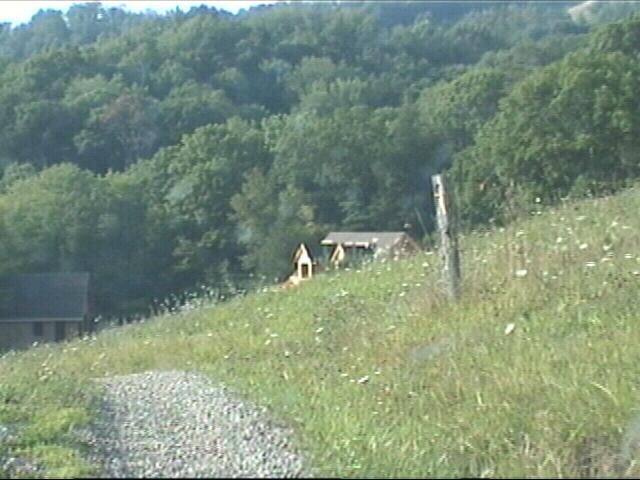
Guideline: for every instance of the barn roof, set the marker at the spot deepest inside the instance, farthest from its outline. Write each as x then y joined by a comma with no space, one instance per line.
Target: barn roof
364,239
301,251
44,296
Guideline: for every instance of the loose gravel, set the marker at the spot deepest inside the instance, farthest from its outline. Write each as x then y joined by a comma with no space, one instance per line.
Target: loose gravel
15,466
179,424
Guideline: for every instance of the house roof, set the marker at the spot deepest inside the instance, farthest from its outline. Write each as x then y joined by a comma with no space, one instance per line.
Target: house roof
44,296
301,252
380,240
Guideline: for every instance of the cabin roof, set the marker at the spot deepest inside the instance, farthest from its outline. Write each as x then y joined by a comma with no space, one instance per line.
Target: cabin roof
300,252
364,239
45,296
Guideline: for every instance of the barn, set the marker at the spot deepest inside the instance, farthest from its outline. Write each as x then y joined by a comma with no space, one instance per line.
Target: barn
349,246
43,307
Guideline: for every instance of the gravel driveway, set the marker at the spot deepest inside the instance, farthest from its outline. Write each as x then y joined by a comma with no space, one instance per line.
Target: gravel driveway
179,424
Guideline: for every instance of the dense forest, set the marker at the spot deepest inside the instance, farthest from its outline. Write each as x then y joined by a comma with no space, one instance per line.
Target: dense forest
165,152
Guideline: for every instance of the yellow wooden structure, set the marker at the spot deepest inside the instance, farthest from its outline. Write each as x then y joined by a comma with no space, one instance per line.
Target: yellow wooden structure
303,264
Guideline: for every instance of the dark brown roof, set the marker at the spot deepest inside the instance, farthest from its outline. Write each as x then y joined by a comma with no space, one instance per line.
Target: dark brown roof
380,240
44,295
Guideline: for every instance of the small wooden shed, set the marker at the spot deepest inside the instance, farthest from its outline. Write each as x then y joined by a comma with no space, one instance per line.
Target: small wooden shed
338,256
303,263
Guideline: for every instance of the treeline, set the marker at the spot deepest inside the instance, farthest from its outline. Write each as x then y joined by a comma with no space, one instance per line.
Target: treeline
159,152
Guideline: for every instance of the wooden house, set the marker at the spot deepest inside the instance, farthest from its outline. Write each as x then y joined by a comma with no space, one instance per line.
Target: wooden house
304,266
349,246
42,308
338,256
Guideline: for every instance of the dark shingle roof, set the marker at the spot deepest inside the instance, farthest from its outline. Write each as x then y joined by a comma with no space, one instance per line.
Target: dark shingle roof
381,240
44,295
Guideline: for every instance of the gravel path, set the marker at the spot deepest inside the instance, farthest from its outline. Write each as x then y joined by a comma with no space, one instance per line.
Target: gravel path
179,424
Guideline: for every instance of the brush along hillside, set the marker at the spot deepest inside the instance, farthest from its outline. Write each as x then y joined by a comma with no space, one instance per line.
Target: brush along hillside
533,373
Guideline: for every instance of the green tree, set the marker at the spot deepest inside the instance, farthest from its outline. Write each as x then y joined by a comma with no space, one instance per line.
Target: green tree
622,36
120,132
575,119
205,172
270,223
15,172
53,219
193,105
452,112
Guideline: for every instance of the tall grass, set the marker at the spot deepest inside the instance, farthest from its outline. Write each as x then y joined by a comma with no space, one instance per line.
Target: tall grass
532,373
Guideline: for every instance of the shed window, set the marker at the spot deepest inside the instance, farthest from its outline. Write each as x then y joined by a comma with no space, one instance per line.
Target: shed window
37,329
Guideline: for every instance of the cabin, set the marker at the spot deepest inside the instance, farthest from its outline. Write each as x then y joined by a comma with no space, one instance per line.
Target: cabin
348,247
304,266
43,307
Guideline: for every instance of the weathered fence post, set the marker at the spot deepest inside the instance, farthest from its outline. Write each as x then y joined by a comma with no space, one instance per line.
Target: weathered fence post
448,238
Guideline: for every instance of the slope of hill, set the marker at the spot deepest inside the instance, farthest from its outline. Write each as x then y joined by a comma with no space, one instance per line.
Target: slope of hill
531,374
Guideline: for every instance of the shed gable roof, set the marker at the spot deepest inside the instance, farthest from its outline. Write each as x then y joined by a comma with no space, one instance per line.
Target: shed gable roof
44,295
381,240
302,253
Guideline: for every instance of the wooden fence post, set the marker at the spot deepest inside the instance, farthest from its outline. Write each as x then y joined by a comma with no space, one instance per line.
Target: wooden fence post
448,238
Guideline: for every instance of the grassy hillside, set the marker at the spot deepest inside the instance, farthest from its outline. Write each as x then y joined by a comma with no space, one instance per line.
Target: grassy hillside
532,373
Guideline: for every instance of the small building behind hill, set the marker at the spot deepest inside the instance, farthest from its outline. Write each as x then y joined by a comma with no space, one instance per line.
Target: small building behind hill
304,265
356,246
43,307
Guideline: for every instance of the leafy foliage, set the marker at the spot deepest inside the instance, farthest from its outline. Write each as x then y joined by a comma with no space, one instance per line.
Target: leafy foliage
573,123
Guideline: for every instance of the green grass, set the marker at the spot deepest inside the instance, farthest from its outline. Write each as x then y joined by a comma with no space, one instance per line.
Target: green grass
380,376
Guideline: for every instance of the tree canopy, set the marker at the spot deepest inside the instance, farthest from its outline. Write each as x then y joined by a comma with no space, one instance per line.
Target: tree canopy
159,152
